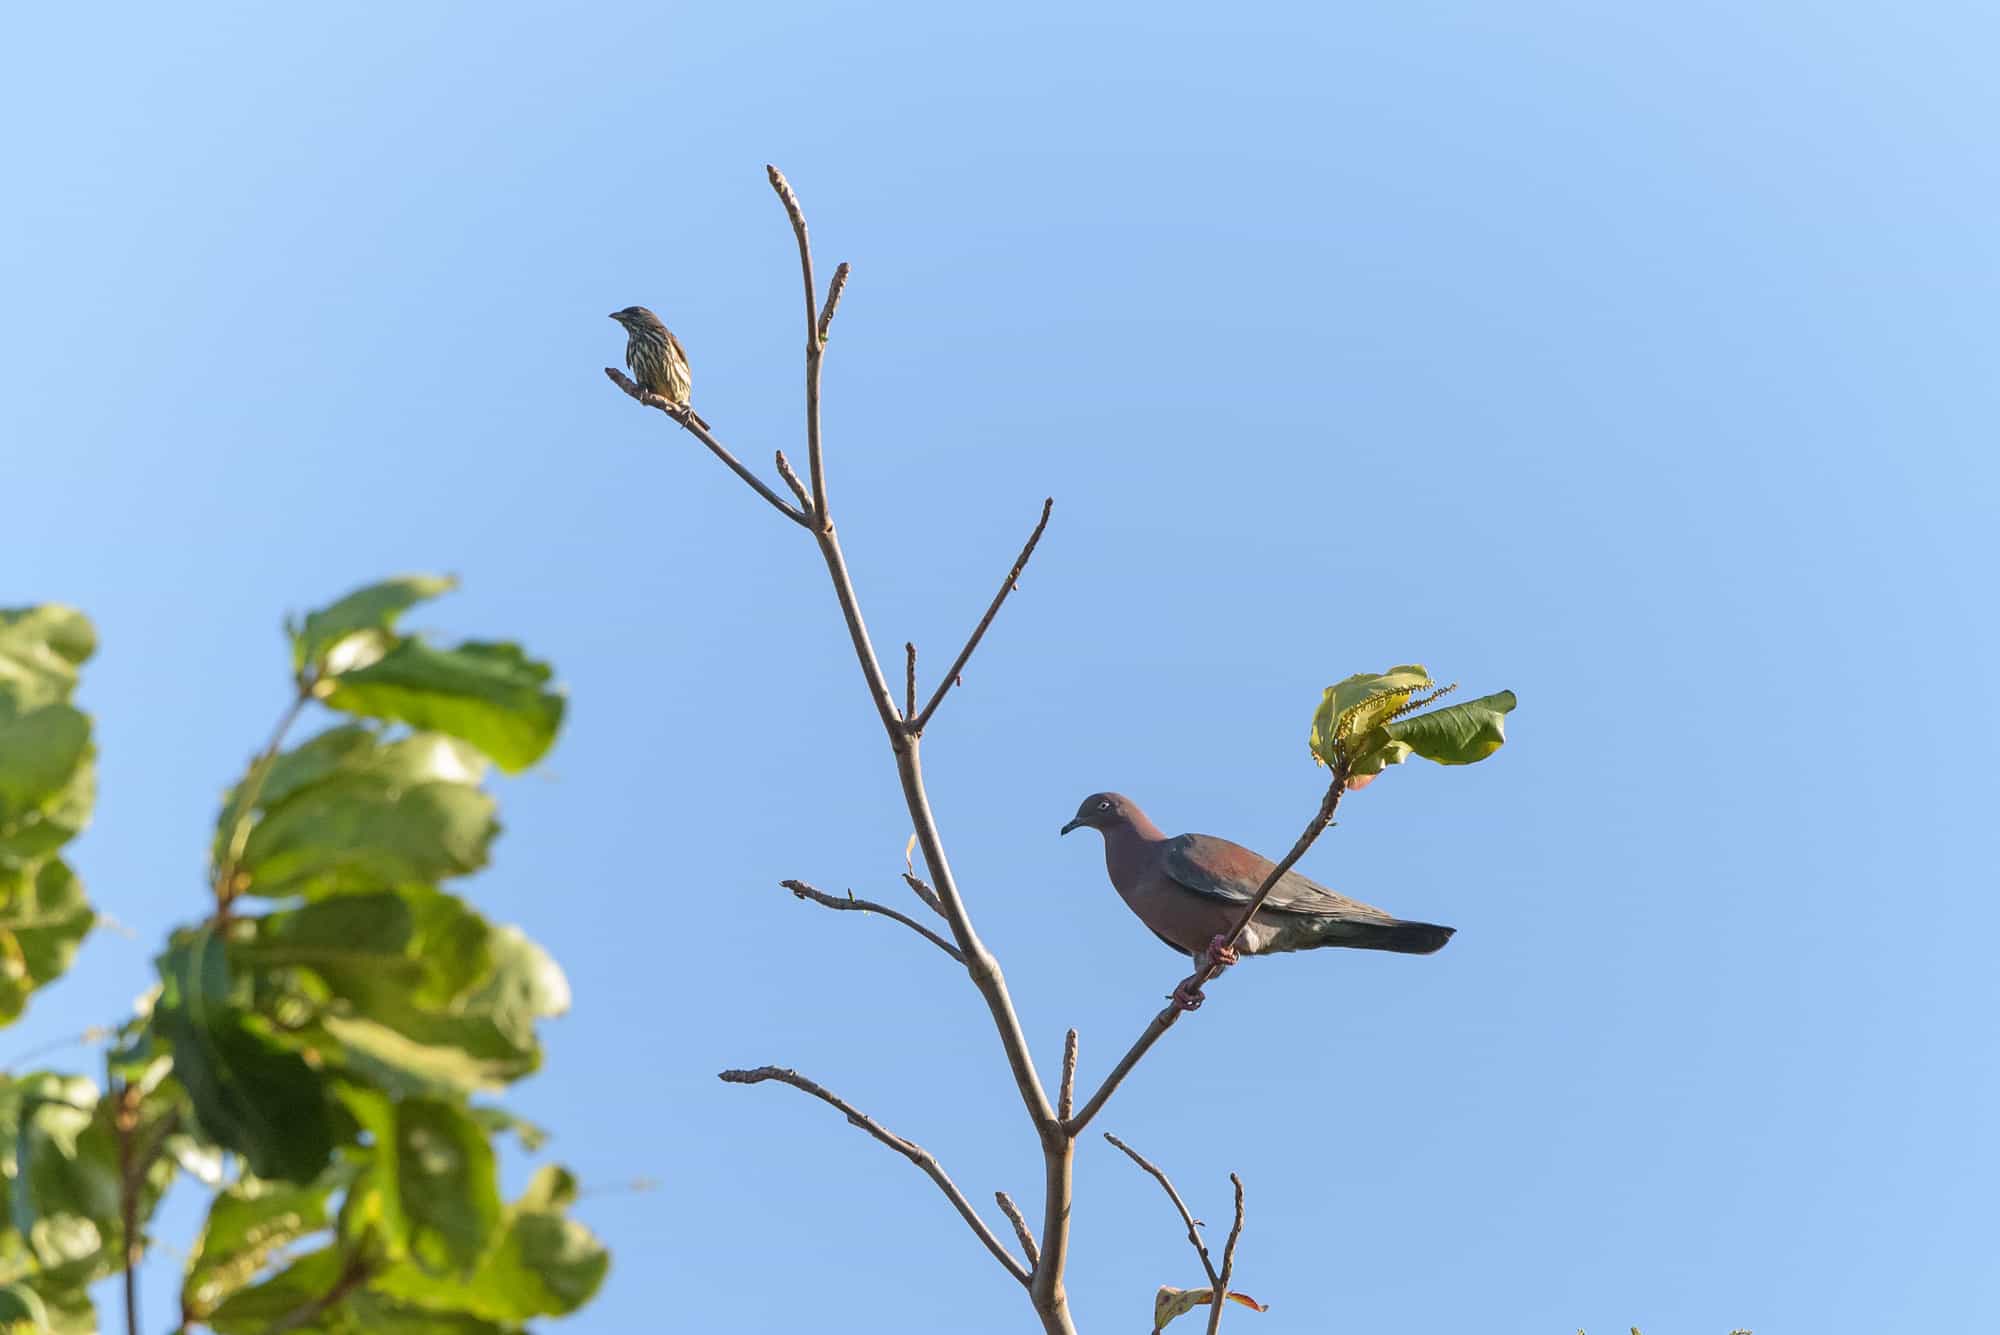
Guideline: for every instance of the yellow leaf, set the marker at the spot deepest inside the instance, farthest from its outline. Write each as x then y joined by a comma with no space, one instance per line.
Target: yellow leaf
1171,1302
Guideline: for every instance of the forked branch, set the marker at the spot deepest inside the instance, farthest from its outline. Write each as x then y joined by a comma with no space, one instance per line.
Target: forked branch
701,433
951,674
1166,1018
848,903
915,1153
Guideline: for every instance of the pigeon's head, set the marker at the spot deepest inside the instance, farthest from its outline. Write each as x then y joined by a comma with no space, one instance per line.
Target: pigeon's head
635,318
1103,811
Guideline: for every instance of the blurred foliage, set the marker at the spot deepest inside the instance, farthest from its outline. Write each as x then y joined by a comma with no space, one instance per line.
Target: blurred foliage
312,1065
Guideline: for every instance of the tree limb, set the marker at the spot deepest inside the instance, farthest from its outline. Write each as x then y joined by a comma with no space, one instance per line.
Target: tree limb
853,905
815,344
1166,1018
1066,1092
833,291
792,482
715,447
1193,1224
1013,1213
951,674
915,1153
1228,1260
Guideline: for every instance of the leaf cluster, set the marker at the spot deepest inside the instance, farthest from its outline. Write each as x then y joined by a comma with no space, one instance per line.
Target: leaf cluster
318,1044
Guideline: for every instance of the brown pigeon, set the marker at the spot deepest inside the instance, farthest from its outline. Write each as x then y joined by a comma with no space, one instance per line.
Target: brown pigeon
1191,888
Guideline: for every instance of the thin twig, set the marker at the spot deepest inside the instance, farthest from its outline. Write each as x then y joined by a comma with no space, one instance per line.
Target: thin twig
1006,587
1166,1018
833,291
124,1120
909,679
851,904
915,1153
715,447
925,893
792,481
815,344
1066,1092
1228,1260
1013,1213
226,887
1193,1224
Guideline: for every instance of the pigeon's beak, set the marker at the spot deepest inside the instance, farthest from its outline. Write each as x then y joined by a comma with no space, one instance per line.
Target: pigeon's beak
1072,825
614,315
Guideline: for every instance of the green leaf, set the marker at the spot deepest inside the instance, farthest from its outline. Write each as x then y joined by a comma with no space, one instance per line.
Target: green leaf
41,649
43,918
351,833
372,608
249,1094
247,1227
544,1263
1354,705
39,753
1459,735
430,1186
491,695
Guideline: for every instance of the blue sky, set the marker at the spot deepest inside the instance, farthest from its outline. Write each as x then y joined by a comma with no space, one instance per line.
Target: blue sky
1636,357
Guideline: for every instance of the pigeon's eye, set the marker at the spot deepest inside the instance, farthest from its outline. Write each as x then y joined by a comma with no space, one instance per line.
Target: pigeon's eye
1104,806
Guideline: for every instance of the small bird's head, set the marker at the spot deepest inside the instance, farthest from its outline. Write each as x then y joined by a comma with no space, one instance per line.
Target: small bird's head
1102,811
635,318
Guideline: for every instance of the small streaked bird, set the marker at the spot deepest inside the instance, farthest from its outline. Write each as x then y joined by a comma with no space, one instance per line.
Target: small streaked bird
656,358
1189,890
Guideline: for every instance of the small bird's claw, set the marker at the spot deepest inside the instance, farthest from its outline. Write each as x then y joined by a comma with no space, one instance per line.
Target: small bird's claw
1220,953
1187,997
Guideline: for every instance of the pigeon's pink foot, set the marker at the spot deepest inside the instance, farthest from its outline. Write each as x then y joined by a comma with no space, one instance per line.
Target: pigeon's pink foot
1220,953
1187,996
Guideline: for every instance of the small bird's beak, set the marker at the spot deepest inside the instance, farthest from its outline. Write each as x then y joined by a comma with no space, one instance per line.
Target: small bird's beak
614,315
1072,825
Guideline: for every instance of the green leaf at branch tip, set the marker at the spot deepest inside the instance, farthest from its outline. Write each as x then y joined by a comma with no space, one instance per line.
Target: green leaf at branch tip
249,1094
1355,705
374,607
43,918
41,649
40,752
491,695
1461,734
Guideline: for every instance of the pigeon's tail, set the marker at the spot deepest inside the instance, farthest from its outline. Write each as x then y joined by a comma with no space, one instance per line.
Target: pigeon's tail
1405,938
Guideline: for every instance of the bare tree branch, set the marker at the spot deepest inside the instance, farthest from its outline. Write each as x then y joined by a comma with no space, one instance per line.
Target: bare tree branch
815,346
792,482
916,725
833,291
850,904
1013,1213
1066,1092
1166,1018
915,1153
700,433
909,679
924,892
1193,1224
1228,1260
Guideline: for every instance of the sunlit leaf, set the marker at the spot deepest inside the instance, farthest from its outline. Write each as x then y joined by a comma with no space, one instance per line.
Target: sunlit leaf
1355,704
544,1263
1460,734
1170,1302
247,1227
41,649
43,918
491,695
433,1177
372,608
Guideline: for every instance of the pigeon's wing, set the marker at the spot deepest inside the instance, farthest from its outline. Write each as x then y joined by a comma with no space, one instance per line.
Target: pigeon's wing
1218,869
